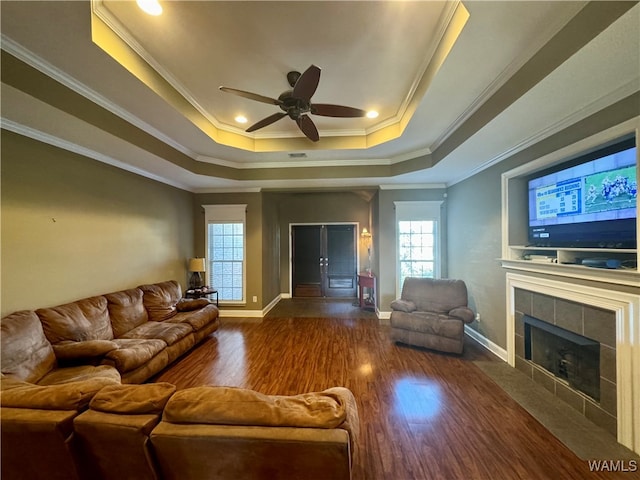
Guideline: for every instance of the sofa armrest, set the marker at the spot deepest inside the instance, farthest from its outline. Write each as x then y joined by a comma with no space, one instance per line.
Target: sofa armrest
403,305
190,304
463,313
69,350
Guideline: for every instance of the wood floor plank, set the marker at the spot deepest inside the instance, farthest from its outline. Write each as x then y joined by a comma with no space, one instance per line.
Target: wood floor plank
424,415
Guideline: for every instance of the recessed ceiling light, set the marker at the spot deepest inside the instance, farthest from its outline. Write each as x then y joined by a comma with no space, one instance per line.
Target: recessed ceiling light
152,7
241,119
372,114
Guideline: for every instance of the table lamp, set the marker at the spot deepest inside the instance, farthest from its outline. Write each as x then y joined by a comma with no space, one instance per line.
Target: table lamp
196,266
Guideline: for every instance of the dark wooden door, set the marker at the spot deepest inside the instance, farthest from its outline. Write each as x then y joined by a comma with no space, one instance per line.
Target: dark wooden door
324,260
306,260
340,261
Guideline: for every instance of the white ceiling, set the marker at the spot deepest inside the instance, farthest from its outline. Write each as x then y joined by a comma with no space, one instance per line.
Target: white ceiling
373,54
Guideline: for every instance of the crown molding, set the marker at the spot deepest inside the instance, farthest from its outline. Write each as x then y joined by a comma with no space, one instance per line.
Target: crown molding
624,91
294,163
498,82
59,76
98,8
58,142
413,186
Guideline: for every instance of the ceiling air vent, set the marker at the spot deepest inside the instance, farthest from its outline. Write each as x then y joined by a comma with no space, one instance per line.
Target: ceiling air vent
298,155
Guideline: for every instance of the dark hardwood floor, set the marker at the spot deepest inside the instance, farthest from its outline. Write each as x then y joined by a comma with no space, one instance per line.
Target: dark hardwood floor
424,415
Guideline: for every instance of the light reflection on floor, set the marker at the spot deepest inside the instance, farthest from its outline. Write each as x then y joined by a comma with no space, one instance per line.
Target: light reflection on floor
417,399
231,361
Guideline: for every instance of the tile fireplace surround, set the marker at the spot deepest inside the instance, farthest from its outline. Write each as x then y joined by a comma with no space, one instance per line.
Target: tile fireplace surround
564,302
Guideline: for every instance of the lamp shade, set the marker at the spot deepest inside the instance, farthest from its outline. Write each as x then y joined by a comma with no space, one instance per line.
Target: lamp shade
196,265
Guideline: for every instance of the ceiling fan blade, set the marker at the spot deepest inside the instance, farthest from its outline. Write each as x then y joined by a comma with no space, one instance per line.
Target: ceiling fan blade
328,110
266,121
308,127
251,96
307,84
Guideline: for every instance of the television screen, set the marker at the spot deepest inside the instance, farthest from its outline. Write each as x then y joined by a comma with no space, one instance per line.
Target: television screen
589,204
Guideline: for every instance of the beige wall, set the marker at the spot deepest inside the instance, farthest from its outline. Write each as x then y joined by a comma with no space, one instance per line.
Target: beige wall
254,239
271,235
73,227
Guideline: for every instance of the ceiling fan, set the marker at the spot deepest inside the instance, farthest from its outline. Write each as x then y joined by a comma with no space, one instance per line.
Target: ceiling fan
296,103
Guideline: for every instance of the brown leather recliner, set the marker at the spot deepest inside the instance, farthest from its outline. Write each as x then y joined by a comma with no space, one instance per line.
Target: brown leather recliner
431,313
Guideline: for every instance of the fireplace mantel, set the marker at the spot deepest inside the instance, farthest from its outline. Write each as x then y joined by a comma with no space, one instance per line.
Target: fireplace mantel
626,307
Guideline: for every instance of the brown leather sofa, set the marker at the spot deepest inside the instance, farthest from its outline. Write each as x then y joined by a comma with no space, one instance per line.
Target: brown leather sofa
147,432
431,313
55,359
137,331
66,415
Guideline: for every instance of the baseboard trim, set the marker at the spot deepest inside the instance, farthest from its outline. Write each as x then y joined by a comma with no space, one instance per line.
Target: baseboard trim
494,348
241,313
228,313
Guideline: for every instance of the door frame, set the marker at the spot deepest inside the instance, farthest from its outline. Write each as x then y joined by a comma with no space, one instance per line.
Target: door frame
297,224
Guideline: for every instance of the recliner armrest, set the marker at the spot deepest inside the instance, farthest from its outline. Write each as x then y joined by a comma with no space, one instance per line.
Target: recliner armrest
463,313
403,305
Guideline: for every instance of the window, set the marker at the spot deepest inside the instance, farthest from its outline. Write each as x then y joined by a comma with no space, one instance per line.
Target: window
226,259
416,248
226,252
418,240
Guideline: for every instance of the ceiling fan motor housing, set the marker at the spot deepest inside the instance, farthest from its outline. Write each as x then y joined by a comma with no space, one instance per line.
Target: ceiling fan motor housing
294,107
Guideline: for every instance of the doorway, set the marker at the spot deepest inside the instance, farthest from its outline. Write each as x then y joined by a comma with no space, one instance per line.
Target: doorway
324,260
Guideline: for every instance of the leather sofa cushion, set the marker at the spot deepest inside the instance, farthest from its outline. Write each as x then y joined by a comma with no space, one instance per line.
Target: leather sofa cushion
126,310
160,299
69,350
170,333
25,352
133,353
237,406
86,319
79,373
67,396
198,319
133,399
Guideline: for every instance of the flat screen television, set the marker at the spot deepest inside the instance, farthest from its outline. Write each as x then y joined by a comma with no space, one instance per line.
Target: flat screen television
590,202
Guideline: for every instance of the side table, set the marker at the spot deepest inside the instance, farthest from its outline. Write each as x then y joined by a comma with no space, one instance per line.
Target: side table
366,280
201,293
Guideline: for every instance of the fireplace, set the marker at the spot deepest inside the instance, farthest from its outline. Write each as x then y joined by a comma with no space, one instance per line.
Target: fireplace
570,357
604,314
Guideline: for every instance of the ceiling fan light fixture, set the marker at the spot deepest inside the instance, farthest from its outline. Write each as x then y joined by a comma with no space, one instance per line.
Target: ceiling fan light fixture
152,7
372,114
241,119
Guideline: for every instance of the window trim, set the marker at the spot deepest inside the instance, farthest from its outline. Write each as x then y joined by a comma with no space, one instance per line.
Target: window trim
227,214
429,210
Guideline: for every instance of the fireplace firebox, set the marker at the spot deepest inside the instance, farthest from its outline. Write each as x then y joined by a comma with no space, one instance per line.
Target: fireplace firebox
572,358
